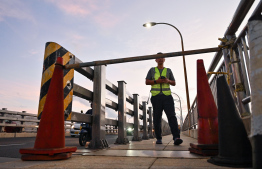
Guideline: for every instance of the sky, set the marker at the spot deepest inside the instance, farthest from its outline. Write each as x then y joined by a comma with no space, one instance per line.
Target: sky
105,29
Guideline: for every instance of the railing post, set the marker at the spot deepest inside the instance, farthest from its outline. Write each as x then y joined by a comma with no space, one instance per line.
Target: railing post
229,69
239,86
122,139
136,136
99,103
145,128
22,128
150,123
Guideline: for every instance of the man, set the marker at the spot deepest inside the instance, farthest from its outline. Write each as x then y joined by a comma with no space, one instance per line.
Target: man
90,111
89,128
160,79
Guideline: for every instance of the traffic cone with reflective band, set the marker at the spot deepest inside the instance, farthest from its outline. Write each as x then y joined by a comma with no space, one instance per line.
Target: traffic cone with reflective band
207,120
234,147
50,139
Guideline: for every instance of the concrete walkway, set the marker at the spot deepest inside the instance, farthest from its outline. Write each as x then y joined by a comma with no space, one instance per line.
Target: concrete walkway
144,154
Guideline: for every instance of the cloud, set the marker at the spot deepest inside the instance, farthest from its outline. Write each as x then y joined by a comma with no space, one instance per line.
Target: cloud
106,19
92,9
77,8
15,9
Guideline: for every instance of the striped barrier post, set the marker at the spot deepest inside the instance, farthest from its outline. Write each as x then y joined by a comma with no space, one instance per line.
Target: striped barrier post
52,51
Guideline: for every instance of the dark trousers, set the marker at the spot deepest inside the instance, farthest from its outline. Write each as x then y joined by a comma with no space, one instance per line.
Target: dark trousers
166,103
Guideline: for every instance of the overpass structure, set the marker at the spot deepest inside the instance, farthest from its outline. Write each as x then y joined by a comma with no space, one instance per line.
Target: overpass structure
238,58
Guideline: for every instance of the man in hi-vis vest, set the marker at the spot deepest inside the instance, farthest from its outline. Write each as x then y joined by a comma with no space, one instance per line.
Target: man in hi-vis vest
160,79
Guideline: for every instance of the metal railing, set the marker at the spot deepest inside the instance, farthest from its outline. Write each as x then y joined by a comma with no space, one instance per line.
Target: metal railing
236,63
98,119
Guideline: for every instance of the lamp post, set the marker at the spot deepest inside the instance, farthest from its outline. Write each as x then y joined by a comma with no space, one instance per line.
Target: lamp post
149,24
178,116
181,116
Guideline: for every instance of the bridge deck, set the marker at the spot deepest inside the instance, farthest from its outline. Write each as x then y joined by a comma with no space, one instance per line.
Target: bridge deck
144,154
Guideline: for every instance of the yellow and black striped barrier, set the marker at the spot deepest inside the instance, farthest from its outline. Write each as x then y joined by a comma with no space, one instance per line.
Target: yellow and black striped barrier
52,51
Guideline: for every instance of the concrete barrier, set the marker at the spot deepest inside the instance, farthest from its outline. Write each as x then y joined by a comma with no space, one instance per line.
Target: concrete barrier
192,133
12,135
7,135
25,134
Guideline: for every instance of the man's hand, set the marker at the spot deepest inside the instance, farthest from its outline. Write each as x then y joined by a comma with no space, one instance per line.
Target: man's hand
166,80
160,81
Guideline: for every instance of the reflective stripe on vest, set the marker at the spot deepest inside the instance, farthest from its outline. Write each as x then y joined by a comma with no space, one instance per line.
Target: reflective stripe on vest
164,87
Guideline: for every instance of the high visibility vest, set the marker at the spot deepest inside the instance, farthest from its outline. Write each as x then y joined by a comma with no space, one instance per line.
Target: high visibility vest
164,87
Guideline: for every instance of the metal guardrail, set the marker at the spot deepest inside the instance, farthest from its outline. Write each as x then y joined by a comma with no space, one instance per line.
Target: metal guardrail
97,96
235,63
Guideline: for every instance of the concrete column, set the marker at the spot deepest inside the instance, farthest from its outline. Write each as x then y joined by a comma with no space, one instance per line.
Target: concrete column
136,136
255,46
122,139
145,128
99,103
150,123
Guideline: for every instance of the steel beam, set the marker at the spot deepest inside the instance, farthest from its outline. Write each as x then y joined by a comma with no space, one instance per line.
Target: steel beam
81,92
79,117
111,104
129,112
140,58
87,72
111,122
129,99
111,87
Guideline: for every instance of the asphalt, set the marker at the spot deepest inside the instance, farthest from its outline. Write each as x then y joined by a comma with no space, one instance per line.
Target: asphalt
140,154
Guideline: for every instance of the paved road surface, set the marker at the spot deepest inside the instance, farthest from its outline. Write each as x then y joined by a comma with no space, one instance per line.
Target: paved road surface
9,147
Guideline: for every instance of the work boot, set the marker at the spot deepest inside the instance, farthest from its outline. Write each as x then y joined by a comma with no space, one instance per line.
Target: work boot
159,141
178,141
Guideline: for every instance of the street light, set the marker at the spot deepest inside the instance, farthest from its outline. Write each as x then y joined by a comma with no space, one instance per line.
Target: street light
149,24
181,116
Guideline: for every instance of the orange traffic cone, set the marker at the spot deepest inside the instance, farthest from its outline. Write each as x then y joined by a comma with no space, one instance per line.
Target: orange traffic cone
207,116
50,139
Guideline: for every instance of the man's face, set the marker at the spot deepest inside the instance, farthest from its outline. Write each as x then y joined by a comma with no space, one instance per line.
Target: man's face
160,60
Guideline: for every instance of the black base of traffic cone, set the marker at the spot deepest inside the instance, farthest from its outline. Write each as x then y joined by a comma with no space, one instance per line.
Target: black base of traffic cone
234,146
204,149
257,154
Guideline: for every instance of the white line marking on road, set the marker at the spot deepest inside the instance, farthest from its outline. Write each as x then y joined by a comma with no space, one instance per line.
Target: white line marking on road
11,145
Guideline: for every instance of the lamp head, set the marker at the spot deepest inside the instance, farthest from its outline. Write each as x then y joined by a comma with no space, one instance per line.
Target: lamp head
149,24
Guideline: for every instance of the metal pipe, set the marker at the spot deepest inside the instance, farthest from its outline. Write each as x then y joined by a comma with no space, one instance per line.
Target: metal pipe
258,9
140,58
239,16
181,115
